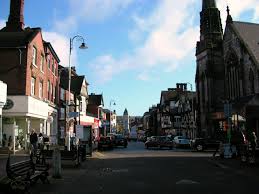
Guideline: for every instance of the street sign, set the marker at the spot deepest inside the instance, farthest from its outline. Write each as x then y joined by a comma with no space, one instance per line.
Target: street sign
79,131
73,114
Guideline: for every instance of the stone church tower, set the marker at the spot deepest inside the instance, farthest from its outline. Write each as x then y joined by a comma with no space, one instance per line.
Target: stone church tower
125,122
209,69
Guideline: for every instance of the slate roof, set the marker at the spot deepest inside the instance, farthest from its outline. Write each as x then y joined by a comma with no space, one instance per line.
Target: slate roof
19,38
249,35
95,99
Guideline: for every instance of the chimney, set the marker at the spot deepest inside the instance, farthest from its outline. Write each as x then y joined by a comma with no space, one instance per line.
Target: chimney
16,20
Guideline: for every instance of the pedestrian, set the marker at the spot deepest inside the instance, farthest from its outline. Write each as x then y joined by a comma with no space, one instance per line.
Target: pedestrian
4,141
253,141
40,141
10,141
33,141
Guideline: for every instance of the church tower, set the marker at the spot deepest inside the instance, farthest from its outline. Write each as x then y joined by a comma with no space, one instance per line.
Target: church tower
125,122
209,69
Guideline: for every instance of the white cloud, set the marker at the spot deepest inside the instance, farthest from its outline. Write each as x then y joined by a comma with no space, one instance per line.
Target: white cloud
60,43
237,7
169,41
144,76
2,23
167,37
81,11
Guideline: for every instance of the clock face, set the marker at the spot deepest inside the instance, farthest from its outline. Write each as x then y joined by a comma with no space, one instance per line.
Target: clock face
8,105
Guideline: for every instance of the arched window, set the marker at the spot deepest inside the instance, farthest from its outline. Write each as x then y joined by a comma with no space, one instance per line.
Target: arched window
251,80
233,76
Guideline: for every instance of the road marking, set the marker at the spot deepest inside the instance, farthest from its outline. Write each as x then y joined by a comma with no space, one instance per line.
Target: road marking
99,154
186,182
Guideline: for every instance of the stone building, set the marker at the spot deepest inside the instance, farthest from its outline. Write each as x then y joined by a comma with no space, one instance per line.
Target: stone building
227,73
210,69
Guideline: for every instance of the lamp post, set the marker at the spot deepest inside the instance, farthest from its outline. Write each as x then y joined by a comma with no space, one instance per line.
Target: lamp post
192,112
111,101
82,46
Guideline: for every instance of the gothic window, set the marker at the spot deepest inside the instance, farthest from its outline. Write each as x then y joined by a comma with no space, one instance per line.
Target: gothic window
252,83
233,76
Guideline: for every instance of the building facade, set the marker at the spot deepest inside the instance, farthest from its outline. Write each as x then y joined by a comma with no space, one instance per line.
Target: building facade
3,97
29,67
227,73
209,70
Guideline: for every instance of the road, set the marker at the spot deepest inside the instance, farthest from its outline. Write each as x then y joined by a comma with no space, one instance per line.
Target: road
137,170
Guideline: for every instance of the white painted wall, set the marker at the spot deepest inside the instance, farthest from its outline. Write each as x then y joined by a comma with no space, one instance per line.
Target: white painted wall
27,106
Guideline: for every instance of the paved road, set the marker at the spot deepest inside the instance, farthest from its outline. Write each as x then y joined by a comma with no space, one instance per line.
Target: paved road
136,170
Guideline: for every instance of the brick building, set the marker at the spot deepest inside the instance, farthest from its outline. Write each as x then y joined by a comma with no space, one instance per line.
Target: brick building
29,67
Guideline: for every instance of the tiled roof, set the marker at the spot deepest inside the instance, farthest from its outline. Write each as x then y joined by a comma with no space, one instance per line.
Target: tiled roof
249,34
95,99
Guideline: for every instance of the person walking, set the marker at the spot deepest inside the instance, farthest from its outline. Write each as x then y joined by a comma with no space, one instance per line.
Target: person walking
4,140
40,141
33,141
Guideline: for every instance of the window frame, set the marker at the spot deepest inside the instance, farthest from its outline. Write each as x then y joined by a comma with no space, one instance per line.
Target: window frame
34,56
33,84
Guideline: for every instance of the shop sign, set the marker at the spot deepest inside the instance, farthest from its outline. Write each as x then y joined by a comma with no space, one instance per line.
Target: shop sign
8,105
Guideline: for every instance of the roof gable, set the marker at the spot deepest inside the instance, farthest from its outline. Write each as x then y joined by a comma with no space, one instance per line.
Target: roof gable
248,33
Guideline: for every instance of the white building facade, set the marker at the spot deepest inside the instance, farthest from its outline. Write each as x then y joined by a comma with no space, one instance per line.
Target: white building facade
3,97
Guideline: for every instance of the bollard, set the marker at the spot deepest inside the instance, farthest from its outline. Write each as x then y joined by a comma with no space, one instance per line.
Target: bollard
56,161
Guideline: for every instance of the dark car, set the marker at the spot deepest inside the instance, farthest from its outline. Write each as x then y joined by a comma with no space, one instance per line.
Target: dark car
159,141
105,142
201,144
119,140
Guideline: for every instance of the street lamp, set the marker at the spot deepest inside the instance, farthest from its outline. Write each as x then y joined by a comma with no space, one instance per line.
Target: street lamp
111,101
82,46
192,111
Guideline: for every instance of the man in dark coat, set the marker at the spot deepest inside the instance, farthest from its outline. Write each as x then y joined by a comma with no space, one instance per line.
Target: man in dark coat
33,140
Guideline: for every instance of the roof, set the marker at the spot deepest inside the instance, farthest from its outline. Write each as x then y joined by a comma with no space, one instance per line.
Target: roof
76,84
95,99
125,112
248,34
19,38
168,95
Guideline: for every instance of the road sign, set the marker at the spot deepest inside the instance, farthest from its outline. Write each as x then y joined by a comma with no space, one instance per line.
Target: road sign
73,114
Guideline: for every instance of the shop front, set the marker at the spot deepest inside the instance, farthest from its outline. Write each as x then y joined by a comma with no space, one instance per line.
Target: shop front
22,115
3,96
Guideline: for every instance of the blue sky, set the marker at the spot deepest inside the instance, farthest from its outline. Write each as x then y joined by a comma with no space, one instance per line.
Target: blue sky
137,48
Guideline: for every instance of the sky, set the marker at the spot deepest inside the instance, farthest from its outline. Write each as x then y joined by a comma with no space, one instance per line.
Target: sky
137,48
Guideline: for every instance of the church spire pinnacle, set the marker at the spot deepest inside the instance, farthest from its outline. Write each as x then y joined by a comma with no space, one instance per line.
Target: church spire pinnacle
229,17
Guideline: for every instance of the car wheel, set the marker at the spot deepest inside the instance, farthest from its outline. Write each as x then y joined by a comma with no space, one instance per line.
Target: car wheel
171,147
199,148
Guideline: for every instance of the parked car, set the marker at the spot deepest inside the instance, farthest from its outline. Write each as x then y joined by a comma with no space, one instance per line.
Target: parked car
159,141
119,140
180,141
105,142
201,144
